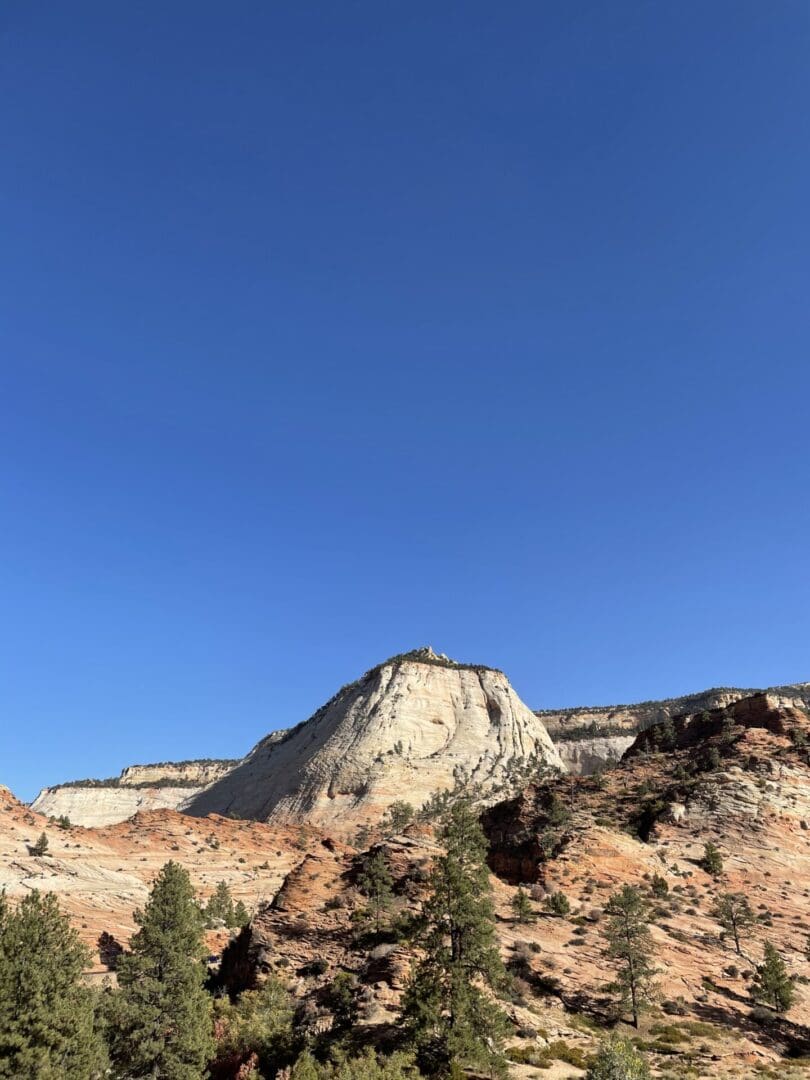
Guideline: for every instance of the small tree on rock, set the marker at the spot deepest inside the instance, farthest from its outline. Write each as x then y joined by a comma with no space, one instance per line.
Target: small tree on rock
522,907
398,815
41,846
630,944
241,915
734,914
772,983
712,861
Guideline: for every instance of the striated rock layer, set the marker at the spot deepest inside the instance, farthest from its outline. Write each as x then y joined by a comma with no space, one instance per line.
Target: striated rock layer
589,737
101,875
407,729
164,786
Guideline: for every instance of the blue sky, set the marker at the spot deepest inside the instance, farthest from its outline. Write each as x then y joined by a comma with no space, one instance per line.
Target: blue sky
330,330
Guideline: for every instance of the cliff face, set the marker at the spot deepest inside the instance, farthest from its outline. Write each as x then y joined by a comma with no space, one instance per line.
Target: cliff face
592,736
139,787
583,757
404,731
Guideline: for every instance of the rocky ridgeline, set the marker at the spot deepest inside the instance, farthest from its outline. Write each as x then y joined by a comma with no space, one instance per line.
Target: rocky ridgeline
161,786
409,728
588,737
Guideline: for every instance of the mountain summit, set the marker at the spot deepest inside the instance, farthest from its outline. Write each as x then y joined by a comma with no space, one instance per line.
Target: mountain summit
405,730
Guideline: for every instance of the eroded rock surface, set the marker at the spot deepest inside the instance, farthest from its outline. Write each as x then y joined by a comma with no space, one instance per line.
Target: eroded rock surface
164,786
407,729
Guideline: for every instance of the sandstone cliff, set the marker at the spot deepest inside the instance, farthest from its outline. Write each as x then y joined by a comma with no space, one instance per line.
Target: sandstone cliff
407,729
167,785
591,736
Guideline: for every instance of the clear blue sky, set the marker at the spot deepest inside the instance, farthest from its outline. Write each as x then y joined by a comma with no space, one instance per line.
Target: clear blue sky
334,329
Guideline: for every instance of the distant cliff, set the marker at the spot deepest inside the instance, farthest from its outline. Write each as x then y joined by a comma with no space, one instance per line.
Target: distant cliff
592,735
164,785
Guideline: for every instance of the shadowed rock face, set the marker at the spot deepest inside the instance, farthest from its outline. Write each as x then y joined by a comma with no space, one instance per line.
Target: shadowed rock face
403,731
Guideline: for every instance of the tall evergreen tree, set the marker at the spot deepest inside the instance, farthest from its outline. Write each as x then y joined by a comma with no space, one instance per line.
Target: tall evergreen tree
445,1007
771,983
47,1019
734,914
630,944
162,1027
376,883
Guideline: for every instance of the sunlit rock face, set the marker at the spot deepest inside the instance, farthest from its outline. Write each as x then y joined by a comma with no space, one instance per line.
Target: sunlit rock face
164,786
407,729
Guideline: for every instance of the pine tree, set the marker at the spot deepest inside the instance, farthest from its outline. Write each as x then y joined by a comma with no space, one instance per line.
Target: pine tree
445,1007
305,1068
398,815
522,907
630,944
48,1027
341,996
162,1026
41,846
219,909
257,1029
376,883
617,1059
734,914
712,861
771,983
241,915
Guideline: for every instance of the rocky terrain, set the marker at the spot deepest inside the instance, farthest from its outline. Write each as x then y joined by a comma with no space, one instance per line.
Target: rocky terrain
167,785
102,874
407,729
738,777
291,826
591,736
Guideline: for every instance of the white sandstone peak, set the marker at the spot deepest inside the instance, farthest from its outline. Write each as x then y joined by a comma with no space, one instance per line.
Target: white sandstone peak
403,731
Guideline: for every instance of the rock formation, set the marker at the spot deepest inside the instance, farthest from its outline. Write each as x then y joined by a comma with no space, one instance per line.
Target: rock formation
162,786
404,731
740,776
591,736
101,875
